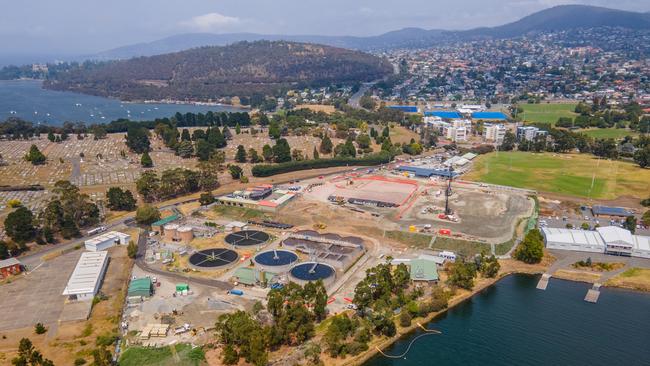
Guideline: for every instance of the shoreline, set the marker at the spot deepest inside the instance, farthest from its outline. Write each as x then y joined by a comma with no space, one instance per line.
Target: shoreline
383,343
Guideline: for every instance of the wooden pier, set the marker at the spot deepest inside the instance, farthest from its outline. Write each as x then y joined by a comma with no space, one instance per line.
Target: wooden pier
543,282
593,293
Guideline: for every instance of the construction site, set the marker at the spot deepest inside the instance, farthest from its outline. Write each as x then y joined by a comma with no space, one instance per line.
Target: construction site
444,206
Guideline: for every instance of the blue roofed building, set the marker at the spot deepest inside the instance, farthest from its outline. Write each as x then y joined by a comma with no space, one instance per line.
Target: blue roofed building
405,108
490,115
610,211
426,172
443,114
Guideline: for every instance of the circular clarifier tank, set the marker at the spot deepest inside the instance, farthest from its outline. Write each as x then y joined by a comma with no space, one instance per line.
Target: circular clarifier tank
246,238
277,260
312,271
214,258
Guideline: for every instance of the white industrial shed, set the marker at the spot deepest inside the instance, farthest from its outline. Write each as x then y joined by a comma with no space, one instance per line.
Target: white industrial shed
87,276
107,240
578,240
607,239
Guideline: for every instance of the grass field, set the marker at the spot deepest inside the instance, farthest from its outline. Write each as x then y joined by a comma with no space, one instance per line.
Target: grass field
608,133
139,356
547,113
569,174
412,239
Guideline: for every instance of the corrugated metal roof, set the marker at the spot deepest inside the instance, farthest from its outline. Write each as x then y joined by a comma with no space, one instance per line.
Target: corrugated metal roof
571,236
610,211
616,234
423,270
86,274
166,220
9,262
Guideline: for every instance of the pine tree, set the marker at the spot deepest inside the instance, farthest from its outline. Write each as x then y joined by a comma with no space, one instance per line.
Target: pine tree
146,161
240,156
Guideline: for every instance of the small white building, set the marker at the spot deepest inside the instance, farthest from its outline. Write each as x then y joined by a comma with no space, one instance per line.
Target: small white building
106,240
87,276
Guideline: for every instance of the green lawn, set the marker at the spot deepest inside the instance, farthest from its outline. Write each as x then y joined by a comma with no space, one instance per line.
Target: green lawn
546,113
141,356
608,133
569,174
411,239
462,247
240,213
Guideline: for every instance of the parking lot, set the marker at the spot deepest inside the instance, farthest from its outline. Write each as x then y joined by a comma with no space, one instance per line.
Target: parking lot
586,217
37,297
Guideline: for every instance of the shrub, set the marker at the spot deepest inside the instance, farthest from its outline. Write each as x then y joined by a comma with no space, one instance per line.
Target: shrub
405,319
39,328
79,361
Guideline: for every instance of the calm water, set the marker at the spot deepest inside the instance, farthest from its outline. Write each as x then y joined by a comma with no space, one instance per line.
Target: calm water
26,99
512,323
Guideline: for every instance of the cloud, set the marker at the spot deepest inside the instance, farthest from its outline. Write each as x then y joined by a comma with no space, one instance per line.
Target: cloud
210,22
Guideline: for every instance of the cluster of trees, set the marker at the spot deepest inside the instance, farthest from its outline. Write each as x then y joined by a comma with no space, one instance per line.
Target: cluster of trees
462,274
201,143
531,249
266,170
119,199
171,183
66,213
294,310
28,355
599,114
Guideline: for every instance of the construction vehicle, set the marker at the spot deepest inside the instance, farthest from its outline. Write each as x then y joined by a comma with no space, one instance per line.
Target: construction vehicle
319,226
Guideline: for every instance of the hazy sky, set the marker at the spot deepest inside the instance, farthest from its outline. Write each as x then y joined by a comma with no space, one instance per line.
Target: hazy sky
86,26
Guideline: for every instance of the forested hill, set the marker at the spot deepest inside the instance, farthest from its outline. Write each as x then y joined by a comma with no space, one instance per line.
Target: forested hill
241,69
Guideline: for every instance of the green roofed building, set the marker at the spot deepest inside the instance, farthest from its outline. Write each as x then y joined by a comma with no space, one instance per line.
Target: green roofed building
141,287
180,287
250,276
158,225
423,270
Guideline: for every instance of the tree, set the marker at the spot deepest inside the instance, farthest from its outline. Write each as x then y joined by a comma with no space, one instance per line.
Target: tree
254,157
120,200
642,157
206,199
281,151
630,224
132,249
29,356
405,318
147,214
240,156
315,154
267,153
51,137
148,186
185,149
137,139
462,275
274,130
645,219
508,142
237,128
489,266
531,249
146,161
209,170
35,156
185,135
326,145
236,172
19,225
102,357
363,141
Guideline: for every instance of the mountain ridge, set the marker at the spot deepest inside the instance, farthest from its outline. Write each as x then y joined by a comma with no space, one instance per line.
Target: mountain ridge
562,17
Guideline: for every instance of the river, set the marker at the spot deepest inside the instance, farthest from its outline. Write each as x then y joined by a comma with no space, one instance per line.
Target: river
26,99
513,323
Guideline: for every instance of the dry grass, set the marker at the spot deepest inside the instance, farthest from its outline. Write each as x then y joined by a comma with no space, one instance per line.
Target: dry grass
579,276
634,278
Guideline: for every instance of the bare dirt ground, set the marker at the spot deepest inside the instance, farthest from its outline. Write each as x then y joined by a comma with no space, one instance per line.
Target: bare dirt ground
64,342
487,216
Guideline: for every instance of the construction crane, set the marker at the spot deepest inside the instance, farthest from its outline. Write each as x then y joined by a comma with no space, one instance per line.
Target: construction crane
448,190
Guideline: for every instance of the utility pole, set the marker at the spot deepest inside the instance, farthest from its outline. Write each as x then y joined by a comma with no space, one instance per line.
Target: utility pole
448,191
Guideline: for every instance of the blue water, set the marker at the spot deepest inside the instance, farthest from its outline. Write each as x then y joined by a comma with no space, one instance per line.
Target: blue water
29,101
513,323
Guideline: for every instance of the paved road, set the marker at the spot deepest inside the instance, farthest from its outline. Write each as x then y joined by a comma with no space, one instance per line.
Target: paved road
356,97
142,248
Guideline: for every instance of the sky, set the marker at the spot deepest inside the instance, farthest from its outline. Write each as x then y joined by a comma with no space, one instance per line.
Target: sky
89,26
